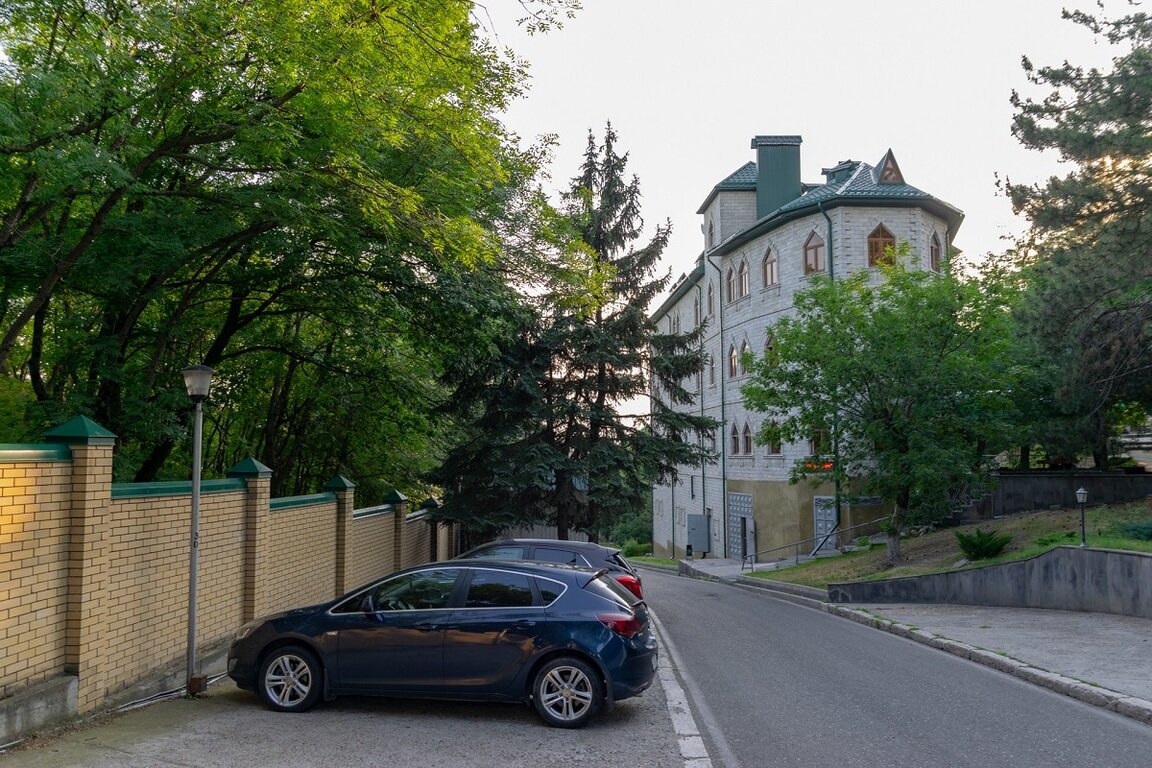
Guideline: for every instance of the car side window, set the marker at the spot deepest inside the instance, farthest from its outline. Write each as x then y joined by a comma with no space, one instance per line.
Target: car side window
548,555
498,589
549,590
500,553
422,590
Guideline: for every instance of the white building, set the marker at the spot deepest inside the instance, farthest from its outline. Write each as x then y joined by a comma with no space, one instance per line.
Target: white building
766,234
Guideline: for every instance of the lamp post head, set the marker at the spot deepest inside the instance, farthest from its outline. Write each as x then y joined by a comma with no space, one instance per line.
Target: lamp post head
1081,495
198,380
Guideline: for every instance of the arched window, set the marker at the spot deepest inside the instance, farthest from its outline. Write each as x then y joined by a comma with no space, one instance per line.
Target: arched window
711,300
743,358
747,439
696,310
770,350
820,444
934,253
733,362
878,244
813,254
731,284
771,269
711,233
711,370
742,277
774,447
735,440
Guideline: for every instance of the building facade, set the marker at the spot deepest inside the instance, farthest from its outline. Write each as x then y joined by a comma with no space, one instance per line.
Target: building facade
767,234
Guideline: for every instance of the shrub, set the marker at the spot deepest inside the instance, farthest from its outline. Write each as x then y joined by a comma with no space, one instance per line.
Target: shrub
982,545
636,548
1141,531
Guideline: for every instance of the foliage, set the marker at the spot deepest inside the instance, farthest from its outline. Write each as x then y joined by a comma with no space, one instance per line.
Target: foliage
550,435
908,370
634,547
634,527
291,192
981,544
1087,314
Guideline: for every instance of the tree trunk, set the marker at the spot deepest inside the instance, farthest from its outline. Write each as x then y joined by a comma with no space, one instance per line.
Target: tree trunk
892,549
1025,457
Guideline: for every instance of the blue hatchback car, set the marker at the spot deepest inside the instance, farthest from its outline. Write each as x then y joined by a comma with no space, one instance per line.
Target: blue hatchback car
571,641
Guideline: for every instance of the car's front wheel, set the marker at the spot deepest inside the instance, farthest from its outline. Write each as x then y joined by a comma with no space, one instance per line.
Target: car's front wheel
567,692
291,679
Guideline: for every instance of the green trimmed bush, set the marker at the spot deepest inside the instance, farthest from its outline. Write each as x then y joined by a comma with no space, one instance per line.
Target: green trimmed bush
1141,531
982,544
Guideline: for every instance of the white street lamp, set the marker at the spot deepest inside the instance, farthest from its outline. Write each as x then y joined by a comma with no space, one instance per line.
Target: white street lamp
1082,497
198,380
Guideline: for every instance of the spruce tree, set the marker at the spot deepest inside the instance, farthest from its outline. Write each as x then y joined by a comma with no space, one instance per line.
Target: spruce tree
560,430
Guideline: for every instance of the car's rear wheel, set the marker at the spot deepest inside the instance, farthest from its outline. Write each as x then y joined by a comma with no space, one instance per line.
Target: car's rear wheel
291,679
567,692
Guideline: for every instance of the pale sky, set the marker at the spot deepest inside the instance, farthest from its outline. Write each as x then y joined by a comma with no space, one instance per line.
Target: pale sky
687,84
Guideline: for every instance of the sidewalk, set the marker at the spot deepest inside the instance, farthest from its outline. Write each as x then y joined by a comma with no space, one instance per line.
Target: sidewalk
1101,659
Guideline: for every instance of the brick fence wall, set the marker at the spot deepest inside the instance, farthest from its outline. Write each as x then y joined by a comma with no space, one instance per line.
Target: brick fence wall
94,576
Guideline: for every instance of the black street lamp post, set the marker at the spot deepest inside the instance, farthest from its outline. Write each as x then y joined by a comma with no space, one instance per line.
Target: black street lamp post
1082,498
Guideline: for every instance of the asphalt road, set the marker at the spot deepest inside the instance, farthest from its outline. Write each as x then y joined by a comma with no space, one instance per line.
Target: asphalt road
776,684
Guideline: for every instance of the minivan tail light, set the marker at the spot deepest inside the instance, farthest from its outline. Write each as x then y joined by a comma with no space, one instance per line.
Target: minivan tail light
623,624
632,583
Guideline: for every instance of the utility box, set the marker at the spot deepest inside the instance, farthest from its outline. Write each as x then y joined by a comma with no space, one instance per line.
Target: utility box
699,537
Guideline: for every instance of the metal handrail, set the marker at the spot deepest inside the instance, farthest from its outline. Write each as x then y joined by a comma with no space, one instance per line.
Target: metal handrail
749,559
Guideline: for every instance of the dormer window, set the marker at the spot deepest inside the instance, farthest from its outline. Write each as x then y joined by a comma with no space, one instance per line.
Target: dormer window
814,254
878,244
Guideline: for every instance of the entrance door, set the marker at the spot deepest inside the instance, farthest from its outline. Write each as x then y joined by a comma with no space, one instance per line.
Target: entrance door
824,521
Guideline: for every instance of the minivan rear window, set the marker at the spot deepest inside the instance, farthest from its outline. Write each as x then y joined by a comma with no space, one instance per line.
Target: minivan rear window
607,586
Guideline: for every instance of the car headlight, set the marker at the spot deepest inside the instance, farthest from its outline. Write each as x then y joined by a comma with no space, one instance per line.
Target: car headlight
245,630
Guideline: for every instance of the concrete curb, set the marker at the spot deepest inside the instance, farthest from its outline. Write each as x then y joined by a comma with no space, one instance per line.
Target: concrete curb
811,597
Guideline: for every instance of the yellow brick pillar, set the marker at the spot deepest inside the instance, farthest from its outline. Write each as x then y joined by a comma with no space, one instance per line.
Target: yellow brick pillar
258,564
399,504
345,491
436,530
91,498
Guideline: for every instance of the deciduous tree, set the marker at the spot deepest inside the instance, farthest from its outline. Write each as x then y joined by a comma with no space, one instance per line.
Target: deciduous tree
907,369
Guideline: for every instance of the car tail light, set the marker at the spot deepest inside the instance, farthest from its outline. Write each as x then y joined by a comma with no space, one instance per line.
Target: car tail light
623,624
632,583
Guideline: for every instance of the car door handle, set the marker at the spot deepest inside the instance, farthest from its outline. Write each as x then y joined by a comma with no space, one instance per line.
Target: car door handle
426,626
525,623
